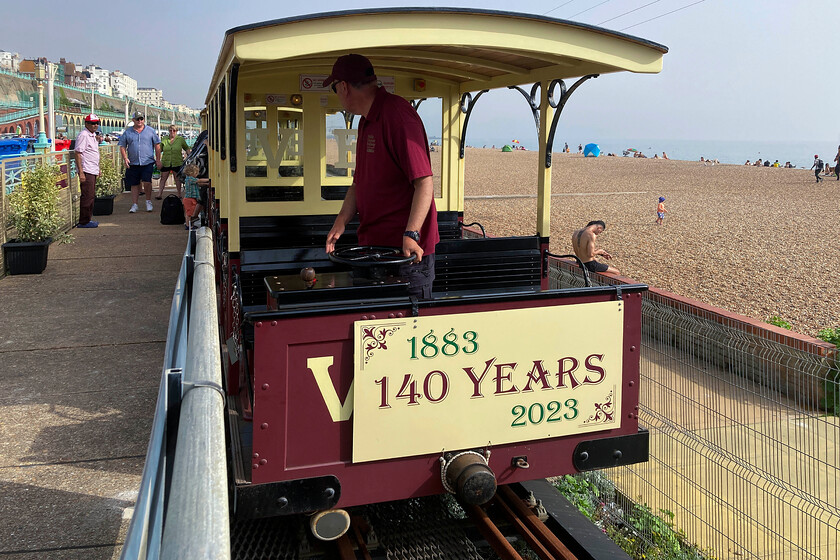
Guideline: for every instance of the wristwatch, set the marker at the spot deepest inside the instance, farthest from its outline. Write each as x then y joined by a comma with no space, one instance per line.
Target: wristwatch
415,235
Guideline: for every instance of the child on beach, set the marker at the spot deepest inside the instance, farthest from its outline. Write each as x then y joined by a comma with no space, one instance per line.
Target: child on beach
192,195
660,211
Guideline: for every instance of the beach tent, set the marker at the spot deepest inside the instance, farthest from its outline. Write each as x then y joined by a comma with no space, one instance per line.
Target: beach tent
507,148
592,150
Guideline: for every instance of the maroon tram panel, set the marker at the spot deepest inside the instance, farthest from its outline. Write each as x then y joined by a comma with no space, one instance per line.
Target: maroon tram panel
294,436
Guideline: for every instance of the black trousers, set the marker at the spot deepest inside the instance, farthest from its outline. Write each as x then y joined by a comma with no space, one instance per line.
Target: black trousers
421,276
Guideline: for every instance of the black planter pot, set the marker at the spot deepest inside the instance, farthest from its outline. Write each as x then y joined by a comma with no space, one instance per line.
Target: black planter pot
27,257
103,206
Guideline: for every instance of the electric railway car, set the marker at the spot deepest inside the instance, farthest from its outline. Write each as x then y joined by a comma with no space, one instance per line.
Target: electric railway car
342,389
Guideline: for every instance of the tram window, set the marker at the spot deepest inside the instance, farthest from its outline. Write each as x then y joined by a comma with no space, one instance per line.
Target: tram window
340,155
273,152
431,112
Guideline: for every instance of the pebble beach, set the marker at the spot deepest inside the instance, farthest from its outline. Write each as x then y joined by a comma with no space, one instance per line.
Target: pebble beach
757,241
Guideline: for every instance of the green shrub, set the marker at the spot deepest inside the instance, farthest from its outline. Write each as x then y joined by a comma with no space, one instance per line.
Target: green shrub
33,205
779,322
109,181
830,335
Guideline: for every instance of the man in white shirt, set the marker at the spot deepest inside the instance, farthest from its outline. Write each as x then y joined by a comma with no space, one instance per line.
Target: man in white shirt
87,163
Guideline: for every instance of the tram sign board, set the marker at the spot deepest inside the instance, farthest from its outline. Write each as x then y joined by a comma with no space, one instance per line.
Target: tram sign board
451,382
312,82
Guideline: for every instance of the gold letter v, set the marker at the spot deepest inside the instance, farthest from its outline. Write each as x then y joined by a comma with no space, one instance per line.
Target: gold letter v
320,368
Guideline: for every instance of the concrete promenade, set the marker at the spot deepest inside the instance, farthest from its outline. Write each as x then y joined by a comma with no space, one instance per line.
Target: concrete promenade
81,350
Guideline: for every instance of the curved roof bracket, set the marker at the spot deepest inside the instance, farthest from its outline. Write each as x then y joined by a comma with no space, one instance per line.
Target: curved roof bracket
558,105
467,104
533,102
416,102
348,118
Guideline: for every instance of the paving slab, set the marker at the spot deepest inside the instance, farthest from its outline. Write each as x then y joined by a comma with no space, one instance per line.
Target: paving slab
77,427
124,316
77,512
37,376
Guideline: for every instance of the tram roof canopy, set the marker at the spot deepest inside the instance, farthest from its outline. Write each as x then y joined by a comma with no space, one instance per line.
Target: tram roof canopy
475,49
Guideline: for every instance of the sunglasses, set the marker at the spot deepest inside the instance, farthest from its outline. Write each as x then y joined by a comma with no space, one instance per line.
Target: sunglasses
335,84
139,119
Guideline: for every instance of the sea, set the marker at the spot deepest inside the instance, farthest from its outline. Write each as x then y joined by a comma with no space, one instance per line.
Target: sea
736,152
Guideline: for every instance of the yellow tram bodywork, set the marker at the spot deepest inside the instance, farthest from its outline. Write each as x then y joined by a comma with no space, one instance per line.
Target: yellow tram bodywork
453,51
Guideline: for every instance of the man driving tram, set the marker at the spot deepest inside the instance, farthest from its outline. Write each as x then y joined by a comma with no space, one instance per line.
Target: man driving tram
392,189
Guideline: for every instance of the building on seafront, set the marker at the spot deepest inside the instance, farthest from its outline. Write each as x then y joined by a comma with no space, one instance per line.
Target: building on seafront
72,90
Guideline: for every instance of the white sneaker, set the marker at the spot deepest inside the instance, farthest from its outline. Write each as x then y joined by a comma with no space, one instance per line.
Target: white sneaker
133,209
149,206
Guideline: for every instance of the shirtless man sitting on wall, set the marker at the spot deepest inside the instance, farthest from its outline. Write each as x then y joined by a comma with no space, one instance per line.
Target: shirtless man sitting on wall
583,241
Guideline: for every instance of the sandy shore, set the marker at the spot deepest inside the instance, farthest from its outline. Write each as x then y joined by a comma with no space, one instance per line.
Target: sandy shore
756,241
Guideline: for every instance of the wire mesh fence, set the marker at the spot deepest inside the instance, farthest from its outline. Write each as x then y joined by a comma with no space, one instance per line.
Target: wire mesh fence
744,437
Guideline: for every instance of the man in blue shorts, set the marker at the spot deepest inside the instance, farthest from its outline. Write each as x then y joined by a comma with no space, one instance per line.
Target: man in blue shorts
583,242
140,150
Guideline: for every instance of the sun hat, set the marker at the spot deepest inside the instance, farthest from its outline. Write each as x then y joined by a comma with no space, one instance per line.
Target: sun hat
661,199
353,68
92,118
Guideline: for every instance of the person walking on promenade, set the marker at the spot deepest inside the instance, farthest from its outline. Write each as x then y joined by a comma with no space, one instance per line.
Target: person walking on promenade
140,150
817,167
86,152
173,147
660,211
392,188
583,242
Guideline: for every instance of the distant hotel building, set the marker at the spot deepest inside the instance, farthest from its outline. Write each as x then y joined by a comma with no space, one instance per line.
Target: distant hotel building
105,82
150,96
9,61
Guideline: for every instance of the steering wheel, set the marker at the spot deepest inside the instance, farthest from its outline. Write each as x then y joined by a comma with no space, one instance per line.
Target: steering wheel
367,256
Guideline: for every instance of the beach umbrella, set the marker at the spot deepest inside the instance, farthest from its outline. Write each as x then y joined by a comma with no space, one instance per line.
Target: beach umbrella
507,149
632,150
592,150
514,141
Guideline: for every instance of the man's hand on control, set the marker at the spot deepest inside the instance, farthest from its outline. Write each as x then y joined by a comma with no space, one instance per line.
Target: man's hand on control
409,247
333,235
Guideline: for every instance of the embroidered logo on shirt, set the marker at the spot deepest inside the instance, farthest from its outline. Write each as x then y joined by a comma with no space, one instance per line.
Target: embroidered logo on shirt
371,144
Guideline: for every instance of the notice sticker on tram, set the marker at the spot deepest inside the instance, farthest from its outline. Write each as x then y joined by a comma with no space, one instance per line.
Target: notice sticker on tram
449,382
276,99
312,82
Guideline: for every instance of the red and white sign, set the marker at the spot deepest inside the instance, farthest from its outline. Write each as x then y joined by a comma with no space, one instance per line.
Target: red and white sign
312,82
275,99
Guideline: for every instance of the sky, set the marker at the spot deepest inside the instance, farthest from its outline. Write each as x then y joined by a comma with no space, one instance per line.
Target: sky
744,70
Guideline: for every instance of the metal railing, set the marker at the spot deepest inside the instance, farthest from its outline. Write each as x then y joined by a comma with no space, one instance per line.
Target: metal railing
186,473
745,449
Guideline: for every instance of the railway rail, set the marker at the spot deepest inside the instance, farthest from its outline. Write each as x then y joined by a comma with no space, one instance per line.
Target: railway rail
526,521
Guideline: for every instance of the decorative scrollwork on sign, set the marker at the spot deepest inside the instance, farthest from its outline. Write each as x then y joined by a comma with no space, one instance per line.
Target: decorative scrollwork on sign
373,338
604,411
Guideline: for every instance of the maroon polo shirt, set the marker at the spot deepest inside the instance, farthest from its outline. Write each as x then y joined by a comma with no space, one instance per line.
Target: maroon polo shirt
391,152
